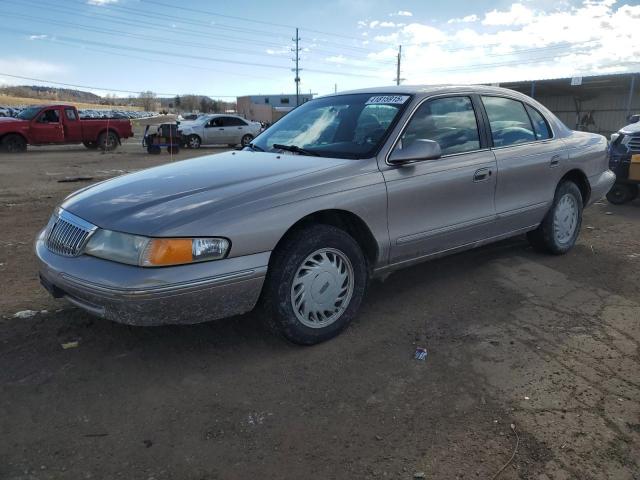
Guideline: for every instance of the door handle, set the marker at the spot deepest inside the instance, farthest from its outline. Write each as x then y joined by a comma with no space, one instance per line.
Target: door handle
555,161
481,174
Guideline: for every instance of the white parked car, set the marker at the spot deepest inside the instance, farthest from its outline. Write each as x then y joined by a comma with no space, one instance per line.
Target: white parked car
219,130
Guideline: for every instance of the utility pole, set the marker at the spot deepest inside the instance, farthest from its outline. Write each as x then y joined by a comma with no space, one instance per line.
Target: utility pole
296,50
398,79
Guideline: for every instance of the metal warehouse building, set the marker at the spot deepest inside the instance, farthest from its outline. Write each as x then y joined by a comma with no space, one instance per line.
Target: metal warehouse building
600,104
268,108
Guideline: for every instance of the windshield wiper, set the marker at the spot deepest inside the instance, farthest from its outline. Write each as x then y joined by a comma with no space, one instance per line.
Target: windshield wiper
295,149
255,147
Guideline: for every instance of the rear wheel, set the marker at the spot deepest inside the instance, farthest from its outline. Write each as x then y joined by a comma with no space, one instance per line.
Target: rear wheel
108,141
315,284
246,140
622,193
90,145
14,143
560,228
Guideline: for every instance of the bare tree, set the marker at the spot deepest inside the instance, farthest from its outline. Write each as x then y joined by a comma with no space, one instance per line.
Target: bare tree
147,100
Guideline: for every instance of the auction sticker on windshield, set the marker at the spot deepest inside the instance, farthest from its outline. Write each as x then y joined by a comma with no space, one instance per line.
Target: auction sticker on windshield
387,99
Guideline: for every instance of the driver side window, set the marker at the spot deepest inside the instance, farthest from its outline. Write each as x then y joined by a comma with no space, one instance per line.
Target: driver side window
49,116
449,121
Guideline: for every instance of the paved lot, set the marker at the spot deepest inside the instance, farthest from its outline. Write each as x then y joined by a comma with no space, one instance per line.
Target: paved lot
548,344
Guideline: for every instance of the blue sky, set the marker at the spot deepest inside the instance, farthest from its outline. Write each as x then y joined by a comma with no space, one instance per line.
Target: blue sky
234,48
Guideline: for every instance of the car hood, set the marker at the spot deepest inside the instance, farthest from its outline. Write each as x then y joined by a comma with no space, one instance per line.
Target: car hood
160,199
631,129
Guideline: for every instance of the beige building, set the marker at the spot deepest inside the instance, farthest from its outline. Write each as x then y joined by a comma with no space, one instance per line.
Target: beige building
268,108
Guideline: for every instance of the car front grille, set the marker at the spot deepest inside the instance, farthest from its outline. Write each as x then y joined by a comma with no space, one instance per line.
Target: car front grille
634,144
67,234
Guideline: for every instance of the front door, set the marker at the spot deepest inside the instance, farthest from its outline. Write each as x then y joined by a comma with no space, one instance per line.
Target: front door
47,127
529,162
214,132
438,205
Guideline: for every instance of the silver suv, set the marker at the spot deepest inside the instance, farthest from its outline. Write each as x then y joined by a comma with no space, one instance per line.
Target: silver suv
344,188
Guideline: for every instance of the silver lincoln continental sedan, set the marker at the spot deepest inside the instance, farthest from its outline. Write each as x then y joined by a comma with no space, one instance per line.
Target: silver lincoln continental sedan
345,188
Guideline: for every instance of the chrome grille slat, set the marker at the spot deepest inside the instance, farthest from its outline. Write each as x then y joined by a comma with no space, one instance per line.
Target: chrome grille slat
68,234
634,144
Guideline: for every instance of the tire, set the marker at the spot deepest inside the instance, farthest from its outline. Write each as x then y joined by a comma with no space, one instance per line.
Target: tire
153,150
193,141
323,251
622,193
108,141
91,145
175,149
559,230
246,140
14,143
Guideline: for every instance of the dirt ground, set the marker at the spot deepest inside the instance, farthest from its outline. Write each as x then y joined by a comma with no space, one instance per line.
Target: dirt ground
547,344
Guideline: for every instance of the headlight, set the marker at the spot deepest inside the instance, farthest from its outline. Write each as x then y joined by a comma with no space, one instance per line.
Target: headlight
154,252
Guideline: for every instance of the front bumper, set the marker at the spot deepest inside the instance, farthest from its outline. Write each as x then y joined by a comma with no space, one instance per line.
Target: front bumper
600,185
133,295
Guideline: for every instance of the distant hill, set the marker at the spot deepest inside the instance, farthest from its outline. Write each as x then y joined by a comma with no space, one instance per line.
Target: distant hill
51,93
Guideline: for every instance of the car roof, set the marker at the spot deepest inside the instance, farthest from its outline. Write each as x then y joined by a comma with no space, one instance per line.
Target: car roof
430,89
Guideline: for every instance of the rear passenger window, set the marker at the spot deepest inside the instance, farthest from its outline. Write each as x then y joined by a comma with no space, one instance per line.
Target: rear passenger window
540,125
449,121
233,122
509,121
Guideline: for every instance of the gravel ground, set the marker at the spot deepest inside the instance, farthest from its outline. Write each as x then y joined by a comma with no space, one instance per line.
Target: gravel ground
547,344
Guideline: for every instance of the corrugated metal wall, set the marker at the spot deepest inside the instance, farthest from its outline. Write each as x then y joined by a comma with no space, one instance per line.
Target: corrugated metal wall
609,110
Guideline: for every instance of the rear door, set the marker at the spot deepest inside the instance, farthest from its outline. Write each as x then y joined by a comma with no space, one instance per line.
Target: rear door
235,128
72,126
437,205
47,127
529,160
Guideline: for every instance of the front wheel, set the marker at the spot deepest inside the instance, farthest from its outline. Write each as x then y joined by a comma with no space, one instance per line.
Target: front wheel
315,284
622,193
193,141
246,140
560,228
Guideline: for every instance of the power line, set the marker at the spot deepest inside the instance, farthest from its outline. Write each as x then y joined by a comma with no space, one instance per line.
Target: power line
165,53
97,88
108,31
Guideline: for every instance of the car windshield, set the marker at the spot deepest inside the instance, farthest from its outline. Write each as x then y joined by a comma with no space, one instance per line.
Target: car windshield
342,126
28,113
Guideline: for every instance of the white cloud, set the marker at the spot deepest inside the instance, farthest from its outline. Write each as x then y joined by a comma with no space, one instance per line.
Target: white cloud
518,14
277,51
466,19
517,43
101,3
402,13
26,67
38,37
338,59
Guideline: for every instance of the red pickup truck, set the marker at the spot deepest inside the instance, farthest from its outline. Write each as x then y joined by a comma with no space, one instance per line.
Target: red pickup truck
51,124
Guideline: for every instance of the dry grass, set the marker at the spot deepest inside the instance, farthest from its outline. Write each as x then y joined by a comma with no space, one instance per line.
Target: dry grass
10,101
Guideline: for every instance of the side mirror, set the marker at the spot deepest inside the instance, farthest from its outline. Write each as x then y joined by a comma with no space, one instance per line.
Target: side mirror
416,152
